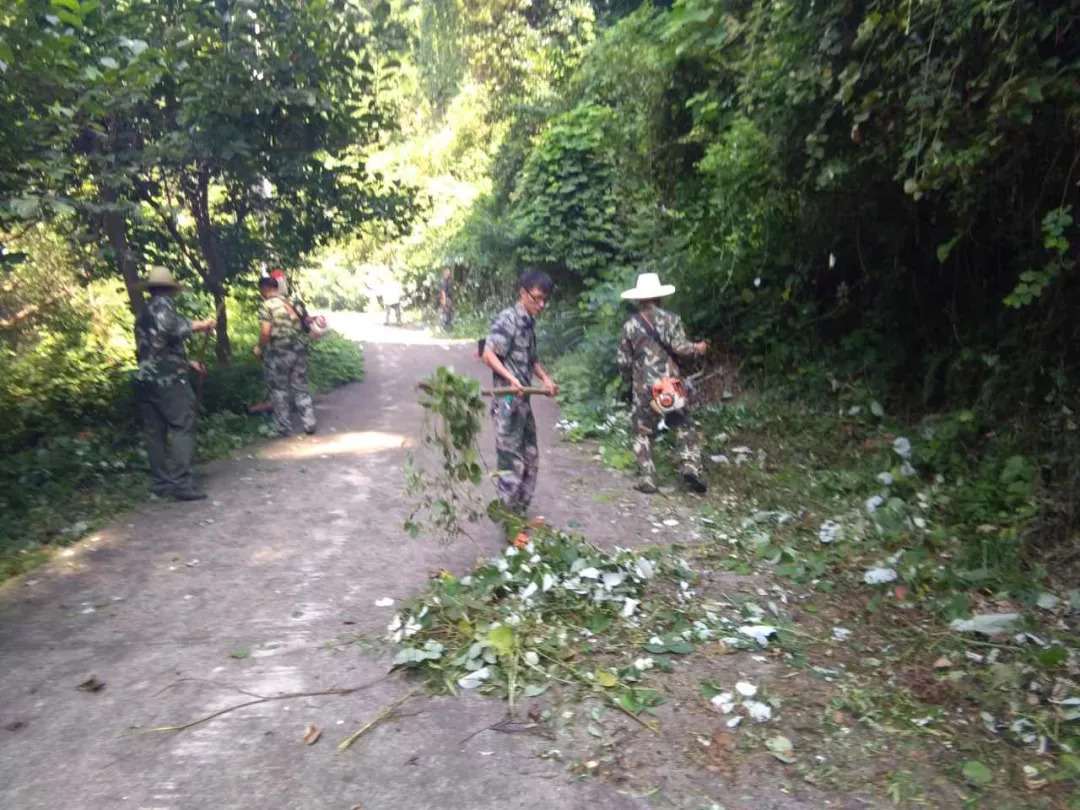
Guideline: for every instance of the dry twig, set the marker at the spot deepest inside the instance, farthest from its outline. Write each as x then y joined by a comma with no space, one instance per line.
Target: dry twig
288,696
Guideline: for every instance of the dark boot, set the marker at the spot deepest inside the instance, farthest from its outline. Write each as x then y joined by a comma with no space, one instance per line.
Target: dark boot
694,482
188,495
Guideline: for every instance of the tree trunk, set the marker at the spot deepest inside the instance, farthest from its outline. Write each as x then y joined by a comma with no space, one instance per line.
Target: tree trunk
215,270
223,348
114,223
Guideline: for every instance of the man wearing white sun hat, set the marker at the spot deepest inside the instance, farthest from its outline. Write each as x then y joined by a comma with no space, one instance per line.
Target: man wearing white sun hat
651,344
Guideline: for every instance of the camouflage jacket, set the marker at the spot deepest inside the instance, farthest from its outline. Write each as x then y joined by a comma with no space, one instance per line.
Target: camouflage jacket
643,361
160,333
513,341
285,331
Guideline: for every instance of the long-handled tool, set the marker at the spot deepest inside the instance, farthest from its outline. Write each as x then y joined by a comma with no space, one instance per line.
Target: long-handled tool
204,349
499,392
695,382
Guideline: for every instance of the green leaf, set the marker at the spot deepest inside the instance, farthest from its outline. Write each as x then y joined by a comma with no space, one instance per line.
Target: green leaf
945,248
25,207
781,748
501,638
606,678
73,20
975,773
1054,657
240,654
630,703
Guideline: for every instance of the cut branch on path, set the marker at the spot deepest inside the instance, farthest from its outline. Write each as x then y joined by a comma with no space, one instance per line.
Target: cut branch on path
348,690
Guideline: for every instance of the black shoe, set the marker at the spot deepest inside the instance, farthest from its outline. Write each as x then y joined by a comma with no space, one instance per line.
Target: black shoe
309,431
188,495
694,482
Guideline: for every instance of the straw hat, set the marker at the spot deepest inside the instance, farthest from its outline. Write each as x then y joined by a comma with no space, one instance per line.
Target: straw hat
648,287
159,276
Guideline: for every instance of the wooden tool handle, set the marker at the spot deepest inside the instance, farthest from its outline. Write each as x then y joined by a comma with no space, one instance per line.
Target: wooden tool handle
498,392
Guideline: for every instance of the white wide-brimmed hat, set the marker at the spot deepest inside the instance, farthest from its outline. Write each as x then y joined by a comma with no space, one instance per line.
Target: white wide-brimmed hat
159,276
648,286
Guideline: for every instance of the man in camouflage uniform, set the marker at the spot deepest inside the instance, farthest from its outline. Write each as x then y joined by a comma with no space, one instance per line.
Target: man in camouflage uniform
283,347
162,389
510,353
643,360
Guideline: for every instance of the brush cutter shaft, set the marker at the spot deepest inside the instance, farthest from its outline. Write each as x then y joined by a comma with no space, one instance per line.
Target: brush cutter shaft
498,392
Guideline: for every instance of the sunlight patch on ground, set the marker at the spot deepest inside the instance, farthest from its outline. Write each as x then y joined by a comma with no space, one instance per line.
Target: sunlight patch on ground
268,554
356,443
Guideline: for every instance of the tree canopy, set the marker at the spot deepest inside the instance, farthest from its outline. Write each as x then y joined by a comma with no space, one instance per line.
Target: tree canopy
213,137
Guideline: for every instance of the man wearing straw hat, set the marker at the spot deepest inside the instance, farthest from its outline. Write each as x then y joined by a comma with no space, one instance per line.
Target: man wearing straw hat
651,344
162,389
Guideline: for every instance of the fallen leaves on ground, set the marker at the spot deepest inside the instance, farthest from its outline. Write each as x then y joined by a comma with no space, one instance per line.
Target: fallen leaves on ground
781,748
91,684
721,752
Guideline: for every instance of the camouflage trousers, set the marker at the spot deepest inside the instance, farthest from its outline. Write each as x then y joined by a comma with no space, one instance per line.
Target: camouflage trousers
169,414
286,372
516,451
644,422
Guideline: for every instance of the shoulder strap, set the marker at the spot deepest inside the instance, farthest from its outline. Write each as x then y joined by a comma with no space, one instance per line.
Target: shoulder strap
650,330
299,311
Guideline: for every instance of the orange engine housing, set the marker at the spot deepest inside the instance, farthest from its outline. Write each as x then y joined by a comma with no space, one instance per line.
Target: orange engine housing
668,395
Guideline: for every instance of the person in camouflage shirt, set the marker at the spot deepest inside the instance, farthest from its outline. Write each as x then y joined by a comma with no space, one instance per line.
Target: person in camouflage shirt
510,352
283,346
644,361
162,389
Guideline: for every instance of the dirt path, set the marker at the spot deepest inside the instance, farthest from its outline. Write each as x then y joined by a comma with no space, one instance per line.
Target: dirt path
182,610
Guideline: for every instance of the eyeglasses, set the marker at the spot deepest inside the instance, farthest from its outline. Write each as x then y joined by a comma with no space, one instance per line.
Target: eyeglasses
539,300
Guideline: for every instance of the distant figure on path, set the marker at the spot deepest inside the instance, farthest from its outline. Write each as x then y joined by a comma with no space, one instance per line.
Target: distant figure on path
651,344
162,389
510,352
446,302
391,298
283,347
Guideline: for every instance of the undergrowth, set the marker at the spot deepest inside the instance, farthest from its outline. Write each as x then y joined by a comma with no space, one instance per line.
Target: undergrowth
66,485
925,542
